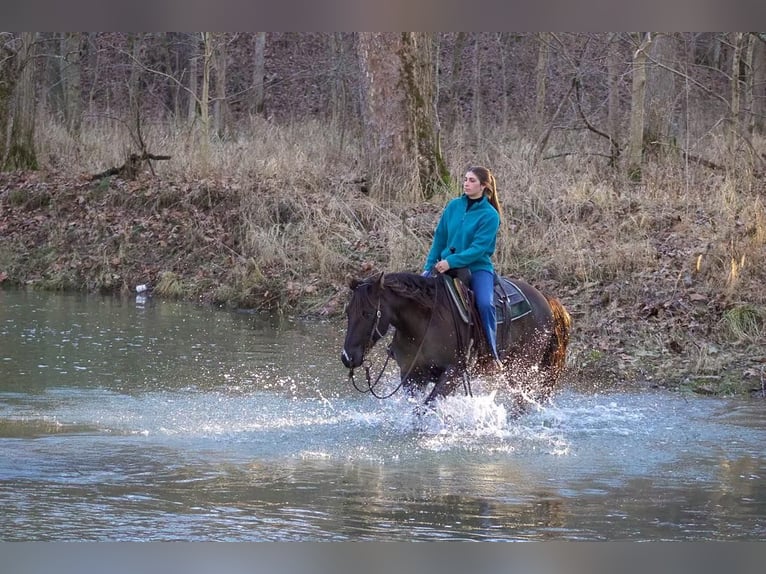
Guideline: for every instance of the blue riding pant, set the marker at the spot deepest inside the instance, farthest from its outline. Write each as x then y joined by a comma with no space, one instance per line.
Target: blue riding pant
483,285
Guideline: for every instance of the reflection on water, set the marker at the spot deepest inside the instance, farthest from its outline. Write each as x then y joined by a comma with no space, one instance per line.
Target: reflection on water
164,421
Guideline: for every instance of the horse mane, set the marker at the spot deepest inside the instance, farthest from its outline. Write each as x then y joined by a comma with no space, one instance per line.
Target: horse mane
421,290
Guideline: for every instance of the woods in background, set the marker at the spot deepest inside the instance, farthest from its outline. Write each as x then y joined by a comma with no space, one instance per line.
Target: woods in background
632,93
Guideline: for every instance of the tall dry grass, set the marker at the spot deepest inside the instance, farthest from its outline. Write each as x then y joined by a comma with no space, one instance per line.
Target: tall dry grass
671,269
568,221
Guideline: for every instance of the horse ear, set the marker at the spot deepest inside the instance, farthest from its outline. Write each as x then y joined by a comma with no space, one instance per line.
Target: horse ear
381,279
354,283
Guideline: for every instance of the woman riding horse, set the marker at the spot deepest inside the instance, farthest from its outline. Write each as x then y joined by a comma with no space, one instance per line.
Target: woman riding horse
433,344
465,238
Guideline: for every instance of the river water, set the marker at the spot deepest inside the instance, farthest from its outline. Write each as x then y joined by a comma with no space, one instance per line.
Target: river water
128,420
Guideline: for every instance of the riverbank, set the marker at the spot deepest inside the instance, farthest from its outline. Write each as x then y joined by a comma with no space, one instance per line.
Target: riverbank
664,289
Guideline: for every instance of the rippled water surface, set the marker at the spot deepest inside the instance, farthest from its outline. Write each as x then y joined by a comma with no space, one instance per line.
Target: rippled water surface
145,420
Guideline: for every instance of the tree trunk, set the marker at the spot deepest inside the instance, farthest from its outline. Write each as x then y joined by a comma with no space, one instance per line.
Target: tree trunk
259,73
660,92
614,61
194,55
220,104
134,87
337,85
94,64
71,79
477,83
749,119
502,43
454,85
171,59
638,95
207,62
21,153
736,94
541,75
759,87
8,79
399,112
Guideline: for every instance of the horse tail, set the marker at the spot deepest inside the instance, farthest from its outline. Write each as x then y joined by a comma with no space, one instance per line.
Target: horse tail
555,355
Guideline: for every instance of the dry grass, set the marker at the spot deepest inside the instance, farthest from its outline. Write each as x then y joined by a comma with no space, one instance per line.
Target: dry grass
676,263
569,220
571,216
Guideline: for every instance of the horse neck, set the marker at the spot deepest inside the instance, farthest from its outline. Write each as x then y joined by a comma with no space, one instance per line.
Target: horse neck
409,320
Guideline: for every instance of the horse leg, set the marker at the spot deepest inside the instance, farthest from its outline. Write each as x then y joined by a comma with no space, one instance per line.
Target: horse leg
446,384
416,380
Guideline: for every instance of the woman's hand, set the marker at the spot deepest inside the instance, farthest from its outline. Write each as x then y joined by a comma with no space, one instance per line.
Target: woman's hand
442,266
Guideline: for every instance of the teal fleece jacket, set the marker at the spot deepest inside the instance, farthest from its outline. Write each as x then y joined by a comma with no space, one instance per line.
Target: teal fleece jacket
465,238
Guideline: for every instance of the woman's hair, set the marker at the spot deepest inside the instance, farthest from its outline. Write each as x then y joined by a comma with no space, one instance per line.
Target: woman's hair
488,180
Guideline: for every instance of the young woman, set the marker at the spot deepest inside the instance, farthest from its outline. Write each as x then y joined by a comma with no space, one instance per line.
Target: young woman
465,237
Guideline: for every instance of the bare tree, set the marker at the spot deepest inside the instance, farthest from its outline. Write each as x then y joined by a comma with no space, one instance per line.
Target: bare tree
477,84
732,135
191,86
541,77
136,46
400,122
759,84
661,90
638,95
20,152
8,79
749,86
614,64
204,100
453,99
71,79
220,103
503,40
259,73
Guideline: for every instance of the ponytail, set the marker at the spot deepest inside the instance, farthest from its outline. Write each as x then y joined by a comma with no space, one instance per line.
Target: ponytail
488,180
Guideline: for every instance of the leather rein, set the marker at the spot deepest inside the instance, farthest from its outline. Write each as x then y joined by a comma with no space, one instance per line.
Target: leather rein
371,385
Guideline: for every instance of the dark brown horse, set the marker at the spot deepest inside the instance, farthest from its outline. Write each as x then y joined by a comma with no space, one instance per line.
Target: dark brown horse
433,343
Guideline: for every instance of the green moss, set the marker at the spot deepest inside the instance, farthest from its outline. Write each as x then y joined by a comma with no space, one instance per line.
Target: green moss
724,385
745,322
170,285
21,158
59,281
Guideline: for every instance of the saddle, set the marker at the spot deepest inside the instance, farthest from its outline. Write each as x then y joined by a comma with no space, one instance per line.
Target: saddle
510,303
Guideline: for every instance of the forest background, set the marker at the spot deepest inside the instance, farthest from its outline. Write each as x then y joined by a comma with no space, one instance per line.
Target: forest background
264,170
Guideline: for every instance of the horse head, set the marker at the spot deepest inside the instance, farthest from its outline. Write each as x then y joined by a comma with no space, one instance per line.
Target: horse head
368,319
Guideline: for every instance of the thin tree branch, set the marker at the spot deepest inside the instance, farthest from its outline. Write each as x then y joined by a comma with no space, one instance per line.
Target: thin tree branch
612,143
542,142
571,153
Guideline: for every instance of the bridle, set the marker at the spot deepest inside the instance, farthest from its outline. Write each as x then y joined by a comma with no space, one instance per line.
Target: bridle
389,353
375,327
375,330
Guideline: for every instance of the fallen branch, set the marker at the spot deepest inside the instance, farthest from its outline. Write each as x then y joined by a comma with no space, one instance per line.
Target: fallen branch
703,161
131,168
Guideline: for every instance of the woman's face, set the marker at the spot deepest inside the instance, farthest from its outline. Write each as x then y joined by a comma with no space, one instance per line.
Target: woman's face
471,186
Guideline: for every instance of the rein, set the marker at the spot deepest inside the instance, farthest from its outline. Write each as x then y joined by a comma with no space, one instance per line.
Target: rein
371,385
463,350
